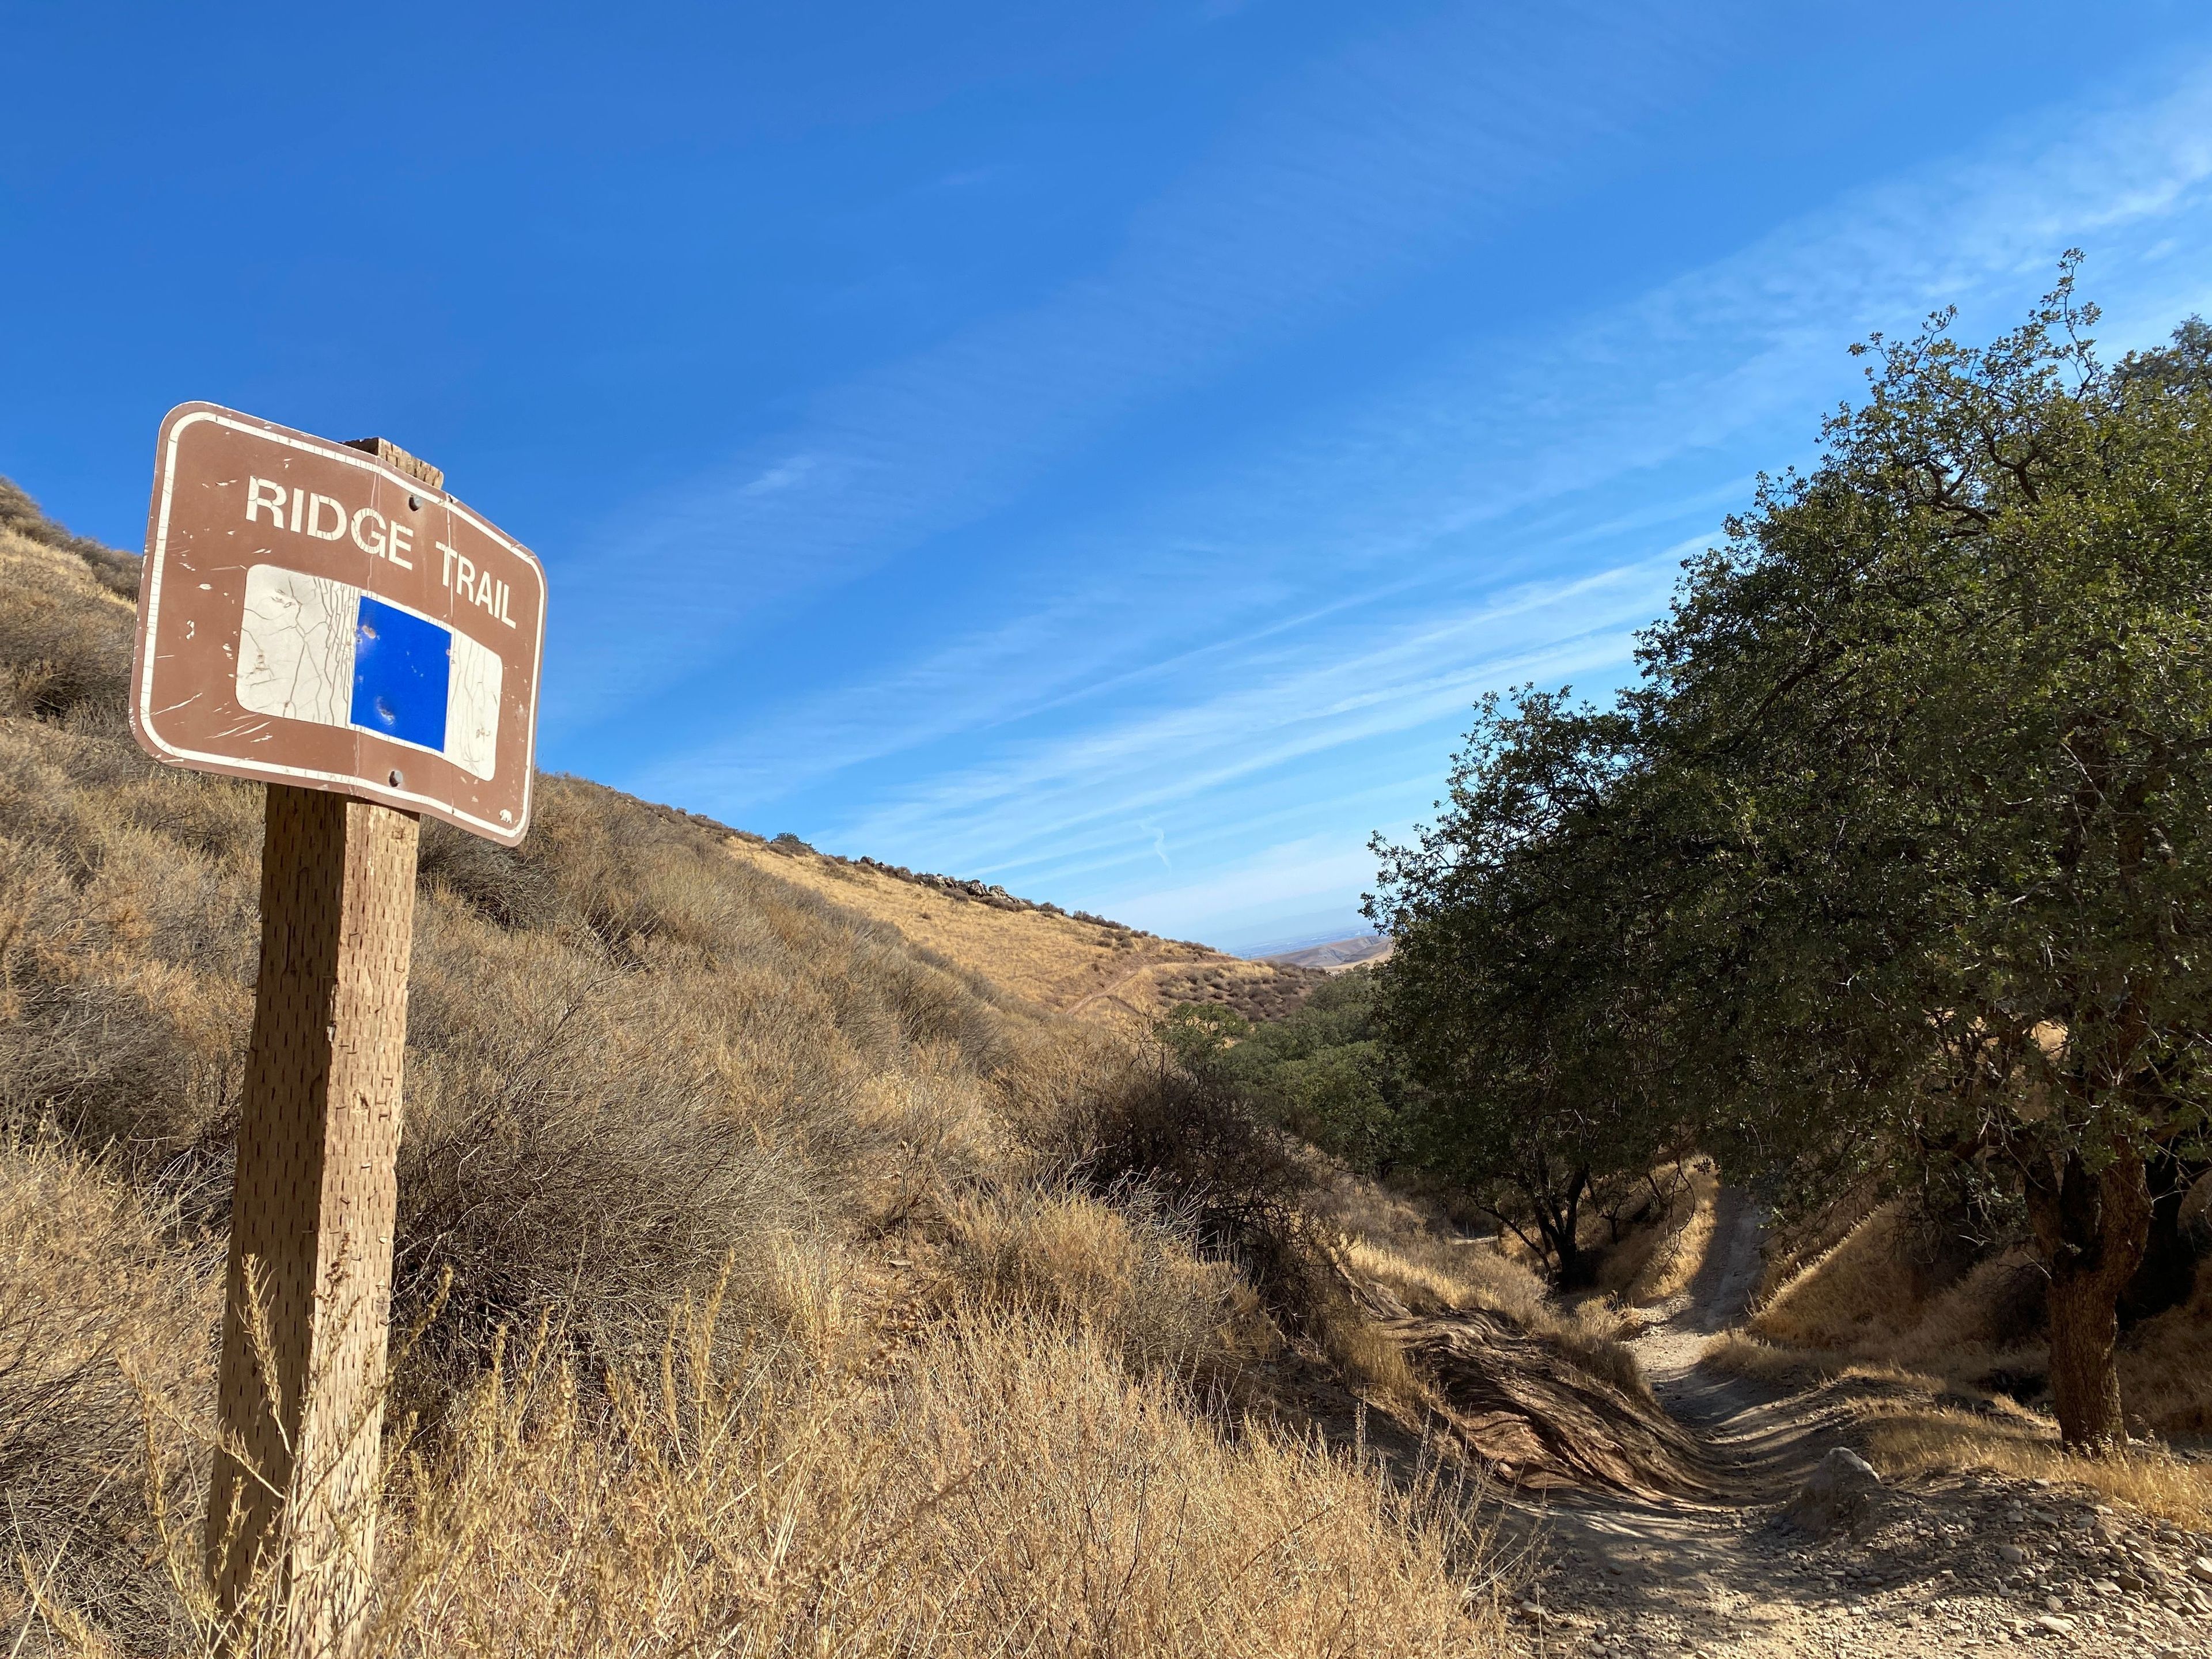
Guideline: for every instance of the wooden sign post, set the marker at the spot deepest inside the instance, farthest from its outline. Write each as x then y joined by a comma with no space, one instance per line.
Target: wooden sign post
291,1510
324,617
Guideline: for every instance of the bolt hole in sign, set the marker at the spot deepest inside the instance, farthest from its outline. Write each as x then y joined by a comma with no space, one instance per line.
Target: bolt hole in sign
311,614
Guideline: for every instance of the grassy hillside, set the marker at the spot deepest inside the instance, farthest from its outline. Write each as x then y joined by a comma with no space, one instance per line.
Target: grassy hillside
769,1279
1093,969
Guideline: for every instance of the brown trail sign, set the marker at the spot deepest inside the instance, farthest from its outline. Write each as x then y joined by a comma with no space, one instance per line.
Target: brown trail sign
323,617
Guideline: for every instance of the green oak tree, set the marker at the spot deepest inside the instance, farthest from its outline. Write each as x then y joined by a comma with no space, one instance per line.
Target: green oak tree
1948,700
1898,857
1525,992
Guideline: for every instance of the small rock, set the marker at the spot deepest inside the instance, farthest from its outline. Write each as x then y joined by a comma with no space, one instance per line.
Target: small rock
2051,1624
1838,1493
2201,1569
2012,1555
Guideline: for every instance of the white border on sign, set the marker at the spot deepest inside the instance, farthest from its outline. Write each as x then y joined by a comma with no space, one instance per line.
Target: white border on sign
156,560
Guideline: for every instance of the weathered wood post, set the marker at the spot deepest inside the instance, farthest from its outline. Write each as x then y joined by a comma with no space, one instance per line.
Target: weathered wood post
308,1292
333,623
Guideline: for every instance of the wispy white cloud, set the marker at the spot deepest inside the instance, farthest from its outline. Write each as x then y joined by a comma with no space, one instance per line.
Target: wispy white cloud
1057,793
1488,519
782,475
1290,881
1365,169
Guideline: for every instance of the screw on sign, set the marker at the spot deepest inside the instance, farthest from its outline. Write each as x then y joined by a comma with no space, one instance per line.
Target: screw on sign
324,617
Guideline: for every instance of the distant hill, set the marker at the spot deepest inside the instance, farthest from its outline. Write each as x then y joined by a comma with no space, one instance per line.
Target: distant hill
1337,954
1078,964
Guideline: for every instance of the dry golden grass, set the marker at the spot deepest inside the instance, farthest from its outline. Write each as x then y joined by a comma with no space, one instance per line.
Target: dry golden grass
1857,1290
1005,1487
1662,1254
103,1314
1373,1365
1130,1274
1906,1440
1389,1241
1788,1368
1905,1431
1055,961
2165,1365
1110,975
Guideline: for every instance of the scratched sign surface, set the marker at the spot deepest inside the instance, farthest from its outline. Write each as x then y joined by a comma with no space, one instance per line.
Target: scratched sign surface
309,615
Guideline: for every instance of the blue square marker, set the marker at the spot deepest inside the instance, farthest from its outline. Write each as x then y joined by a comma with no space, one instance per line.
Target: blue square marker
402,668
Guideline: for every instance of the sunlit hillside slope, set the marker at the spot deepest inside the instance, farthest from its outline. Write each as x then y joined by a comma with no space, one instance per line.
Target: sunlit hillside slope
1093,969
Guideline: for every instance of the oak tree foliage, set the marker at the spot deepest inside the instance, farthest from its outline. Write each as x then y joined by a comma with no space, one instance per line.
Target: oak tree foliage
1898,856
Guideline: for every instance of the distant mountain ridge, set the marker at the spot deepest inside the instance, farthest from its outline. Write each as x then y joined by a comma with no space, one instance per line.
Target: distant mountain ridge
1336,955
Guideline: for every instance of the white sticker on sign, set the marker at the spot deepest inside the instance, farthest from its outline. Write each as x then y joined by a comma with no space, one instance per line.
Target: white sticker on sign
310,648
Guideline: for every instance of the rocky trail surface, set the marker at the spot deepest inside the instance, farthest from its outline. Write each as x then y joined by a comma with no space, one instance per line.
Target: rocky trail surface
1752,1565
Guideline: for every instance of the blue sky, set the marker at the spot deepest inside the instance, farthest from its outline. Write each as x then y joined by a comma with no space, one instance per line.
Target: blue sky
1101,448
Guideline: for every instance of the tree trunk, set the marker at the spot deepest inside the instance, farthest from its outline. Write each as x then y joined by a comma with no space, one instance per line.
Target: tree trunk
1577,1270
1563,1227
2091,1227
2084,1382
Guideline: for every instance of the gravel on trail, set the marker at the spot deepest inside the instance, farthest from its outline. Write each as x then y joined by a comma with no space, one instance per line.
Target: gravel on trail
1974,1563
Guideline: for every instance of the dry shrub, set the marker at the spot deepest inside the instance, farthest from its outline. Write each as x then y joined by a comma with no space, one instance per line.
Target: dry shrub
1101,1115
101,1319
64,634
1127,1125
633,1058
123,954
597,1143
115,571
1131,1272
935,1110
498,882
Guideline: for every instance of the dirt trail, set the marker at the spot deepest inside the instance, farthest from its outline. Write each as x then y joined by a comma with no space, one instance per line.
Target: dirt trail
1112,990
1928,1574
